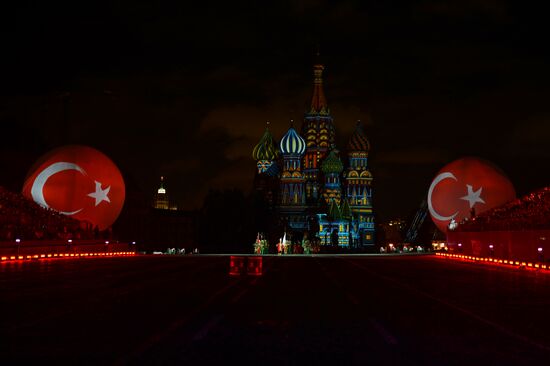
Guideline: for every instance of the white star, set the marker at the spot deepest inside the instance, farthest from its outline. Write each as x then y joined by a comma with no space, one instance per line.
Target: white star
473,197
100,195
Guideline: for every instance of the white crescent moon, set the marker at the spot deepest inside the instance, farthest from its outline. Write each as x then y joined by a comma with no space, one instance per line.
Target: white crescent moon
433,212
37,190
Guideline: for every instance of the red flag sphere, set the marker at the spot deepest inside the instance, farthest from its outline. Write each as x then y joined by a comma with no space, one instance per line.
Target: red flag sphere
464,187
79,182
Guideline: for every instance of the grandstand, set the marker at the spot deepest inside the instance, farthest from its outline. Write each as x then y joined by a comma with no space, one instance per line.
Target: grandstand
21,218
517,230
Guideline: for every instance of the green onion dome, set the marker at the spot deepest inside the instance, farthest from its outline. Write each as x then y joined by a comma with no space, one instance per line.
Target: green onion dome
266,149
332,164
358,141
292,143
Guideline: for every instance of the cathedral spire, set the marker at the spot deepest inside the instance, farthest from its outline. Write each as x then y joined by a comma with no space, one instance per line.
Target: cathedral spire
318,101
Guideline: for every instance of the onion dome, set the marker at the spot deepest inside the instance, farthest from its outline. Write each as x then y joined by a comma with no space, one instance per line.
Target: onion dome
358,141
292,143
332,164
266,149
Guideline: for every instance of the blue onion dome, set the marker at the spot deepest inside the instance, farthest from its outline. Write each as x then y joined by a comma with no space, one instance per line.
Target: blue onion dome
332,164
266,149
358,141
292,143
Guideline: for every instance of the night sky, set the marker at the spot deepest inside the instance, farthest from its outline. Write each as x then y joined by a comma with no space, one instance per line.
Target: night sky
185,90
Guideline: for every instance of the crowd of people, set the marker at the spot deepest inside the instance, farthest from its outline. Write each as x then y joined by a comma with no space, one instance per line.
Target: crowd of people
305,247
286,246
531,212
21,218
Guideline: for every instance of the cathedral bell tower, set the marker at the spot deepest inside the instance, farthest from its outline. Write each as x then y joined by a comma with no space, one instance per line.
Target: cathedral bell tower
318,132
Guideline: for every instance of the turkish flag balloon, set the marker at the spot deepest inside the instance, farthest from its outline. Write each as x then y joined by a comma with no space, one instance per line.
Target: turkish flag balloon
466,184
77,181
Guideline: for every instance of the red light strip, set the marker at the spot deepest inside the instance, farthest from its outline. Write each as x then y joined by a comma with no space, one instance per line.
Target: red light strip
12,258
497,261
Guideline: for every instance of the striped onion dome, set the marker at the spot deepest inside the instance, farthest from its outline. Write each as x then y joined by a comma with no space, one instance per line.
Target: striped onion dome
266,149
332,164
358,141
292,143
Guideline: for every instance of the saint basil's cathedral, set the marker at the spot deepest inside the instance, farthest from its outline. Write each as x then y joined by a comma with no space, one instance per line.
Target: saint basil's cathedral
306,185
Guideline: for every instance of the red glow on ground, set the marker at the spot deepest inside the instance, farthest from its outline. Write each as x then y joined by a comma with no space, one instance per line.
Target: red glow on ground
496,261
64,255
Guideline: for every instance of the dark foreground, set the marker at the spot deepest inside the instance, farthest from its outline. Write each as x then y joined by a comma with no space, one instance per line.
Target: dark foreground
302,311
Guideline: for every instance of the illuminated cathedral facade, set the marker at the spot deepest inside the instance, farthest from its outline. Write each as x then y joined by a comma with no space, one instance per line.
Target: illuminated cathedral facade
307,185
